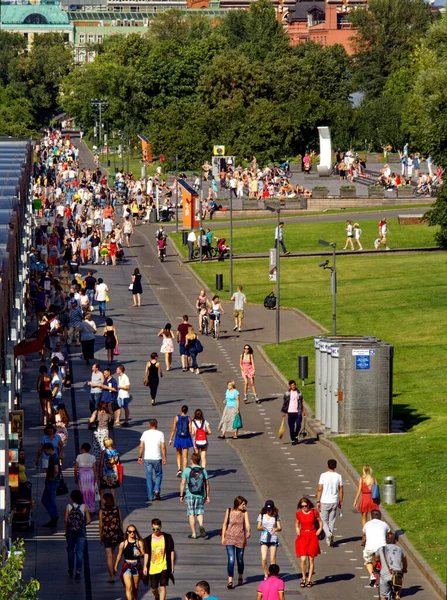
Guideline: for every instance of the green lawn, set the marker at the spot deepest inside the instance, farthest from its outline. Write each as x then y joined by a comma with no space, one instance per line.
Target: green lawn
310,213
402,300
304,236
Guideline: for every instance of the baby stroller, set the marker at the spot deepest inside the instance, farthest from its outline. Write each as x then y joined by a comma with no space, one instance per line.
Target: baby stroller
222,248
22,507
119,252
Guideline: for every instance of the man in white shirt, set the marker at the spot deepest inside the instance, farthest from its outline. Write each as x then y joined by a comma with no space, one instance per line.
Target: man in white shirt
123,396
375,532
191,244
239,299
152,453
279,239
329,498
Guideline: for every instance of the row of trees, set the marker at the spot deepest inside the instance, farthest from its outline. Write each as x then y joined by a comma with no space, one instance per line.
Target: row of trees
30,81
189,83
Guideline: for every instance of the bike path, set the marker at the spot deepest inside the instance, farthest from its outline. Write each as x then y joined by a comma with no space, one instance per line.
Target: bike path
280,471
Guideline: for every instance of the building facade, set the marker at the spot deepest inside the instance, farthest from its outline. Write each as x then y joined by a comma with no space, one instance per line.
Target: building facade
323,21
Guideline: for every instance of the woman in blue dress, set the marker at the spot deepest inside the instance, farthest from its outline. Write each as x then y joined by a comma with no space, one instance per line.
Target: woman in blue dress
232,398
181,438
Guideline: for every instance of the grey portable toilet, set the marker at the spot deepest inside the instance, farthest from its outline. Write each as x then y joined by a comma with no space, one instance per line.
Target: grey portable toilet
335,352
365,387
317,341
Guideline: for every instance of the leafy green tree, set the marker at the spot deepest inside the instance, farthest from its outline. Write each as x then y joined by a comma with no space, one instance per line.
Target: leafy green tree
265,34
388,32
11,45
438,216
17,117
39,72
424,117
234,27
232,77
11,583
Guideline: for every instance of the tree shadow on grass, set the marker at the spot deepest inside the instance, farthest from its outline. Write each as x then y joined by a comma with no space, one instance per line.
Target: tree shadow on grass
408,415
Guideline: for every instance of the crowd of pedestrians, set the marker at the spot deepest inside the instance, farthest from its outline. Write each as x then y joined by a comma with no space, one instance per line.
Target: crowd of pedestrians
82,224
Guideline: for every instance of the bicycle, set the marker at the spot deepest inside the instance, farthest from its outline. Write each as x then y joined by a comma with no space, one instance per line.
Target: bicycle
215,330
204,329
212,252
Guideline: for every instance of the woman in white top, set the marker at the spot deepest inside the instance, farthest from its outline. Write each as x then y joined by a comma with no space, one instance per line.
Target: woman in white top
269,523
86,475
101,293
199,424
349,237
357,234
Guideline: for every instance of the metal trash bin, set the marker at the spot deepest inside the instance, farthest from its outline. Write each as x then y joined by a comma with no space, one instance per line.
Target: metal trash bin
303,368
219,281
389,490
184,238
153,215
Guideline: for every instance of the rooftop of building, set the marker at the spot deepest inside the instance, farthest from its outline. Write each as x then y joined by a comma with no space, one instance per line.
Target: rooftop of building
13,14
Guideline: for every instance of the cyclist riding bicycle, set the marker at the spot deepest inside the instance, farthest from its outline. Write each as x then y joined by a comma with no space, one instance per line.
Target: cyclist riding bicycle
201,306
216,310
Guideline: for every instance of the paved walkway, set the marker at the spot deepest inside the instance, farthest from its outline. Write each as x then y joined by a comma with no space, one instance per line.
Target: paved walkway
279,470
46,555
257,465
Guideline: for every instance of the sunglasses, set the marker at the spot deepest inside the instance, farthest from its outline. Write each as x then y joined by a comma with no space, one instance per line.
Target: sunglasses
156,528
303,505
131,531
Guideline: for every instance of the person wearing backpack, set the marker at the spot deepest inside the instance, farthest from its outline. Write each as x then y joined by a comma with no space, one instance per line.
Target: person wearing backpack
195,486
77,517
200,429
181,439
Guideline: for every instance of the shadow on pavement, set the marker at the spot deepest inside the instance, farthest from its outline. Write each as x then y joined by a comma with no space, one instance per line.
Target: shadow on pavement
338,577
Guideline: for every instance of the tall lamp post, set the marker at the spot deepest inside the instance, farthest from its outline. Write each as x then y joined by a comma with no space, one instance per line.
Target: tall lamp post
231,242
325,265
99,104
278,278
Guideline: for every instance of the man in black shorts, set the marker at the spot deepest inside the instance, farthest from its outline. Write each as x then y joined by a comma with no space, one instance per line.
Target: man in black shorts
159,559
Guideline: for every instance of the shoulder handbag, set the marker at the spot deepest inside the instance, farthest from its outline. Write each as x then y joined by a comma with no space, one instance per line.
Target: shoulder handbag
397,577
93,426
321,535
228,520
146,378
199,347
62,488
375,492
237,423
119,468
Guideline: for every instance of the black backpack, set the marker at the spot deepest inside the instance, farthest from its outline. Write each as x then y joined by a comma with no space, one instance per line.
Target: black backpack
196,481
270,301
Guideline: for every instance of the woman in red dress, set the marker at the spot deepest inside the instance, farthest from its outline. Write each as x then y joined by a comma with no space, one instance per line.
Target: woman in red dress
112,249
367,504
306,544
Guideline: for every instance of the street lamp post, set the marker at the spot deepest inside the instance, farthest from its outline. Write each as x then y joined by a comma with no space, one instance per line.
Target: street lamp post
99,104
176,193
231,242
278,279
325,265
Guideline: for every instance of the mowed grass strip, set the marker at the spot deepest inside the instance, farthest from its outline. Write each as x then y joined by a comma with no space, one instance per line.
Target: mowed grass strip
303,237
402,300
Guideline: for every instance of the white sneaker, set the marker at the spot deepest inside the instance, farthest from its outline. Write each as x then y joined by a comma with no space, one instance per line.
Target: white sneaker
387,248
234,328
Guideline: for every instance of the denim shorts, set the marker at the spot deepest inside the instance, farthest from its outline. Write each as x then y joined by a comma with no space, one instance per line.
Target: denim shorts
123,402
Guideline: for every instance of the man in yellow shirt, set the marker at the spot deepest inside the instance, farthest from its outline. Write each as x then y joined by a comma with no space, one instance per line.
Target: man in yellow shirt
159,560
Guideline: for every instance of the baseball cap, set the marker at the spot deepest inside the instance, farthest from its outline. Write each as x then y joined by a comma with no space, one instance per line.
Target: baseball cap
269,505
